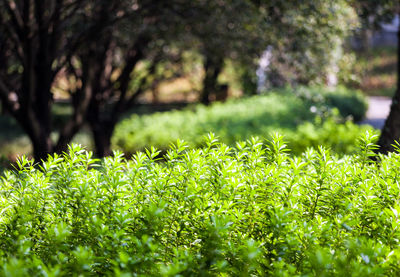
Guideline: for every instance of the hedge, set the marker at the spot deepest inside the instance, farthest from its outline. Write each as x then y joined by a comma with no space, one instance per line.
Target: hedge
285,111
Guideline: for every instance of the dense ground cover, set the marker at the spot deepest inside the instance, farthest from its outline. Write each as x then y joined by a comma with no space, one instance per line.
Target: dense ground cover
304,115
248,210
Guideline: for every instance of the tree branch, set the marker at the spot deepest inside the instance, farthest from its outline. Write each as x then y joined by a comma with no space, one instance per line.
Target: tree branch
80,101
124,102
55,34
15,39
15,17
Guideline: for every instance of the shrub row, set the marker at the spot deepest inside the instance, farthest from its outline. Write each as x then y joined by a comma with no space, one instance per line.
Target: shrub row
251,210
350,103
283,111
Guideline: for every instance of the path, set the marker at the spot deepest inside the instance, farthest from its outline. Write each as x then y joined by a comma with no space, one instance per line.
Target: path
378,110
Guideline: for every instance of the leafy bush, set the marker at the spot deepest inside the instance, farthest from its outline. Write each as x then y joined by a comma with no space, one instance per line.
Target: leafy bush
339,137
281,111
251,210
350,103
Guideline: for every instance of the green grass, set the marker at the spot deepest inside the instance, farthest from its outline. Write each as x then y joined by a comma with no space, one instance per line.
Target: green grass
248,210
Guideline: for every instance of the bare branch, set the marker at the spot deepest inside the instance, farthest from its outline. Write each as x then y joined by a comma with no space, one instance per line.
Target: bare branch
16,40
80,101
124,102
55,33
17,22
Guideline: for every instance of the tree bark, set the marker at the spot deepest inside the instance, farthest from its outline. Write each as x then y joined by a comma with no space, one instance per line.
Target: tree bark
35,98
37,133
391,129
102,134
42,147
212,69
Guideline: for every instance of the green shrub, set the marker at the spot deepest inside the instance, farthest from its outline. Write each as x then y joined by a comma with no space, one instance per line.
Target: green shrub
282,111
349,102
251,210
339,137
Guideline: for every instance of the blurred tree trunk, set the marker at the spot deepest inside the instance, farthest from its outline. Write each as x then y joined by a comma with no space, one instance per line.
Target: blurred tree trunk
99,116
102,133
31,42
34,114
391,129
212,68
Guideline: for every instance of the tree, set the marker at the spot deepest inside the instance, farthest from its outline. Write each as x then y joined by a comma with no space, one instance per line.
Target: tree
123,61
130,53
113,52
230,29
111,49
371,14
38,38
306,38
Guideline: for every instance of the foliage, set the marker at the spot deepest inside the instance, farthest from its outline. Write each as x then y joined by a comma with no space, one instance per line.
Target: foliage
340,137
372,13
241,119
307,44
349,102
251,210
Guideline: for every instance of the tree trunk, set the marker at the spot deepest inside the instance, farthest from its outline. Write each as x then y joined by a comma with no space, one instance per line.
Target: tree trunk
80,102
212,68
391,129
42,147
102,138
102,115
34,114
36,36
37,132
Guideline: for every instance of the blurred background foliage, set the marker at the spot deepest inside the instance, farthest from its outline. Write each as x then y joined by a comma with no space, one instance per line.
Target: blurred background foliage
238,120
